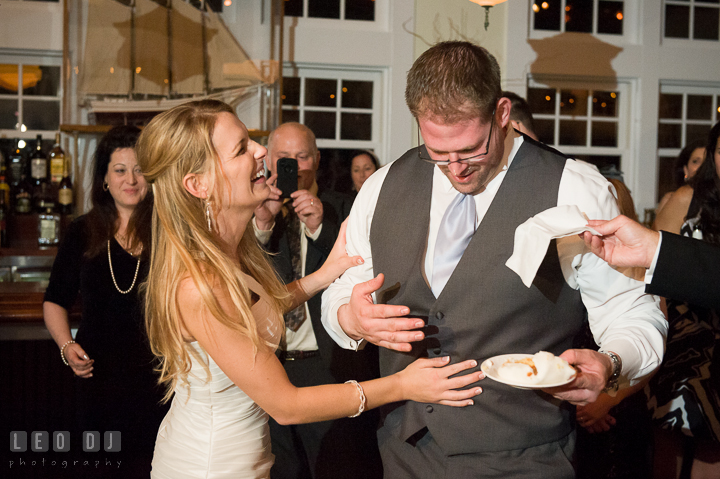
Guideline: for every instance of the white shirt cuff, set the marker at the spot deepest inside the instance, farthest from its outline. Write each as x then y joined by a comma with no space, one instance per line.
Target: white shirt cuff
651,270
263,236
313,236
336,332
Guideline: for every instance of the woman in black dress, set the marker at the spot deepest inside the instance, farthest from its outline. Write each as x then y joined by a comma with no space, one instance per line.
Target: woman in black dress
685,392
104,257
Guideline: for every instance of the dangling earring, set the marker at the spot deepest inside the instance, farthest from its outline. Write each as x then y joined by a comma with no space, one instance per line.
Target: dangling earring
208,213
105,186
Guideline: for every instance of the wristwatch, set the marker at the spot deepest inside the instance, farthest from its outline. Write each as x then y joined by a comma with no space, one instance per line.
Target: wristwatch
611,386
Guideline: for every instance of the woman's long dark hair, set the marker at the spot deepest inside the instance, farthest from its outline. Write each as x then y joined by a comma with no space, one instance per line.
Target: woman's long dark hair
683,159
706,195
102,217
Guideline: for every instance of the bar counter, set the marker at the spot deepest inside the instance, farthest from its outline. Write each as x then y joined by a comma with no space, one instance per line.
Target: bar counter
21,301
38,390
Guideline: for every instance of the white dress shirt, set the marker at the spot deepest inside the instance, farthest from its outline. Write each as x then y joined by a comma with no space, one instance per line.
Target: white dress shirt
651,270
623,319
304,338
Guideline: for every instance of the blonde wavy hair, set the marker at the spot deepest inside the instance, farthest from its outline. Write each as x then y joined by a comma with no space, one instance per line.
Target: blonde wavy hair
174,144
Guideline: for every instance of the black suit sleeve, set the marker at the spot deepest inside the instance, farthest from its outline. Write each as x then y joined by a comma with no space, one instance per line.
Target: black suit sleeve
336,208
328,234
687,270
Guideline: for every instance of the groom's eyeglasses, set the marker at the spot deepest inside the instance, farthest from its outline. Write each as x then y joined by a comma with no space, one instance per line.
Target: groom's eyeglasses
469,159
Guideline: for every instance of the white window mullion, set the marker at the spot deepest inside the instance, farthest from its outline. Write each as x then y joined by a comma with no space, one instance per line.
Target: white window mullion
21,120
301,106
338,106
691,31
588,125
683,128
596,10
557,113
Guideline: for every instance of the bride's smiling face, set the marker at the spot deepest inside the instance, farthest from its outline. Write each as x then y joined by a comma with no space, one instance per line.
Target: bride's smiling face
241,164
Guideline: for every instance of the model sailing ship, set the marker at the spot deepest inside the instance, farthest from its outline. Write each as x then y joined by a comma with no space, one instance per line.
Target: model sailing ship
148,56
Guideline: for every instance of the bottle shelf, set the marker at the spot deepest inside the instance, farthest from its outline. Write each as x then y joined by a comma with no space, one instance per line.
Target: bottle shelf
23,236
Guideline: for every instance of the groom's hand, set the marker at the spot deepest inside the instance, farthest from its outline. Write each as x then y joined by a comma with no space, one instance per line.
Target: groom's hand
380,324
594,370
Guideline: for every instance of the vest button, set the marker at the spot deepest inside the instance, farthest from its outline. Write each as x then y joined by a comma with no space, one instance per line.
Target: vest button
437,351
439,316
428,409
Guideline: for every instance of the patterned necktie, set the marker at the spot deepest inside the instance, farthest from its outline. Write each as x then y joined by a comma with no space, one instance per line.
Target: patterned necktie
294,318
456,230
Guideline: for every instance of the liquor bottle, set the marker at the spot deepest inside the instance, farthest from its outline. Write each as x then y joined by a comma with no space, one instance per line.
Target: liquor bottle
20,188
3,222
57,162
65,190
38,173
4,185
48,227
16,163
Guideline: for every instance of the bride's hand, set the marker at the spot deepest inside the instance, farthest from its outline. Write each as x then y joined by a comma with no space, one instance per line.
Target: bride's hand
429,381
338,260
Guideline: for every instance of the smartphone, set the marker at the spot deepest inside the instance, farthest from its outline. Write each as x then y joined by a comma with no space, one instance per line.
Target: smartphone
287,171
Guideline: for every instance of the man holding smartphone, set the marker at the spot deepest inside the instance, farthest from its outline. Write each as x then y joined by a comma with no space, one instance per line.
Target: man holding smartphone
300,230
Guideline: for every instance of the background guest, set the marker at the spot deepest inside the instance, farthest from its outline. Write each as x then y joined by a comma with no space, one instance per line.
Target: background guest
627,243
520,115
104,257
684,396
362,166
615,438
301,233
686,165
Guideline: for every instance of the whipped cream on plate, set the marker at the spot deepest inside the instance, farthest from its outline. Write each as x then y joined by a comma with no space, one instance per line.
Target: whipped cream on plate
533,370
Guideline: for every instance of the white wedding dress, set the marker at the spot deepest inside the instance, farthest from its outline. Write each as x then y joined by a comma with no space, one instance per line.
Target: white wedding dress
213,429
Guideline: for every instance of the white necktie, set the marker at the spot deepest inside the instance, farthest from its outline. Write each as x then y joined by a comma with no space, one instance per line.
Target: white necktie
456,230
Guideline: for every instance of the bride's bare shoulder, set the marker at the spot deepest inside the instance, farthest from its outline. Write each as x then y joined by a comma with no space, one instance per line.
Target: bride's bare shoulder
192,302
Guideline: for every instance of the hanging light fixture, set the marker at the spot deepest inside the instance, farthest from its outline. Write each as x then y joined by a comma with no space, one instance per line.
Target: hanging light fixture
487,4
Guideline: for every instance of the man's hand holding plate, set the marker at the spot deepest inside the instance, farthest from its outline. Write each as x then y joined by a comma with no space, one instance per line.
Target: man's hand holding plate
594,370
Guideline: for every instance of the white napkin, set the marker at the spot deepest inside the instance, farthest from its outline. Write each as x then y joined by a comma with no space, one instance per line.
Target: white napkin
533,237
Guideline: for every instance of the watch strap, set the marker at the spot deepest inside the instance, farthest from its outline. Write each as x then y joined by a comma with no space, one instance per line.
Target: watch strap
612,383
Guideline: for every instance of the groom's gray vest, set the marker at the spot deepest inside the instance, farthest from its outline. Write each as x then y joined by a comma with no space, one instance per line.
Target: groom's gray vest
484,310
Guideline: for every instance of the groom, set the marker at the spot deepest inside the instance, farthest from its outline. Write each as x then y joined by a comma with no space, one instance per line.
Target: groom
435,229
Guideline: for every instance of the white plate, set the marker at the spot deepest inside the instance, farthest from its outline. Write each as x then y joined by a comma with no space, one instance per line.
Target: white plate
490,368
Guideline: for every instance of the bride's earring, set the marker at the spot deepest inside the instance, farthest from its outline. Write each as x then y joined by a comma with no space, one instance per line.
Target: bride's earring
208,213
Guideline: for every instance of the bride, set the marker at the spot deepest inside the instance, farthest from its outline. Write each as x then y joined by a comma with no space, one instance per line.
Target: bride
214,307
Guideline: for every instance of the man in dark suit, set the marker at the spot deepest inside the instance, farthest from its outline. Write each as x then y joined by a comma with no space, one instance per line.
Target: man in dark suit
680,268
300,232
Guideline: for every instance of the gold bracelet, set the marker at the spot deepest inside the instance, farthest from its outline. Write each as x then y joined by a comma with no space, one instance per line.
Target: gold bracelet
362,397
62,352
